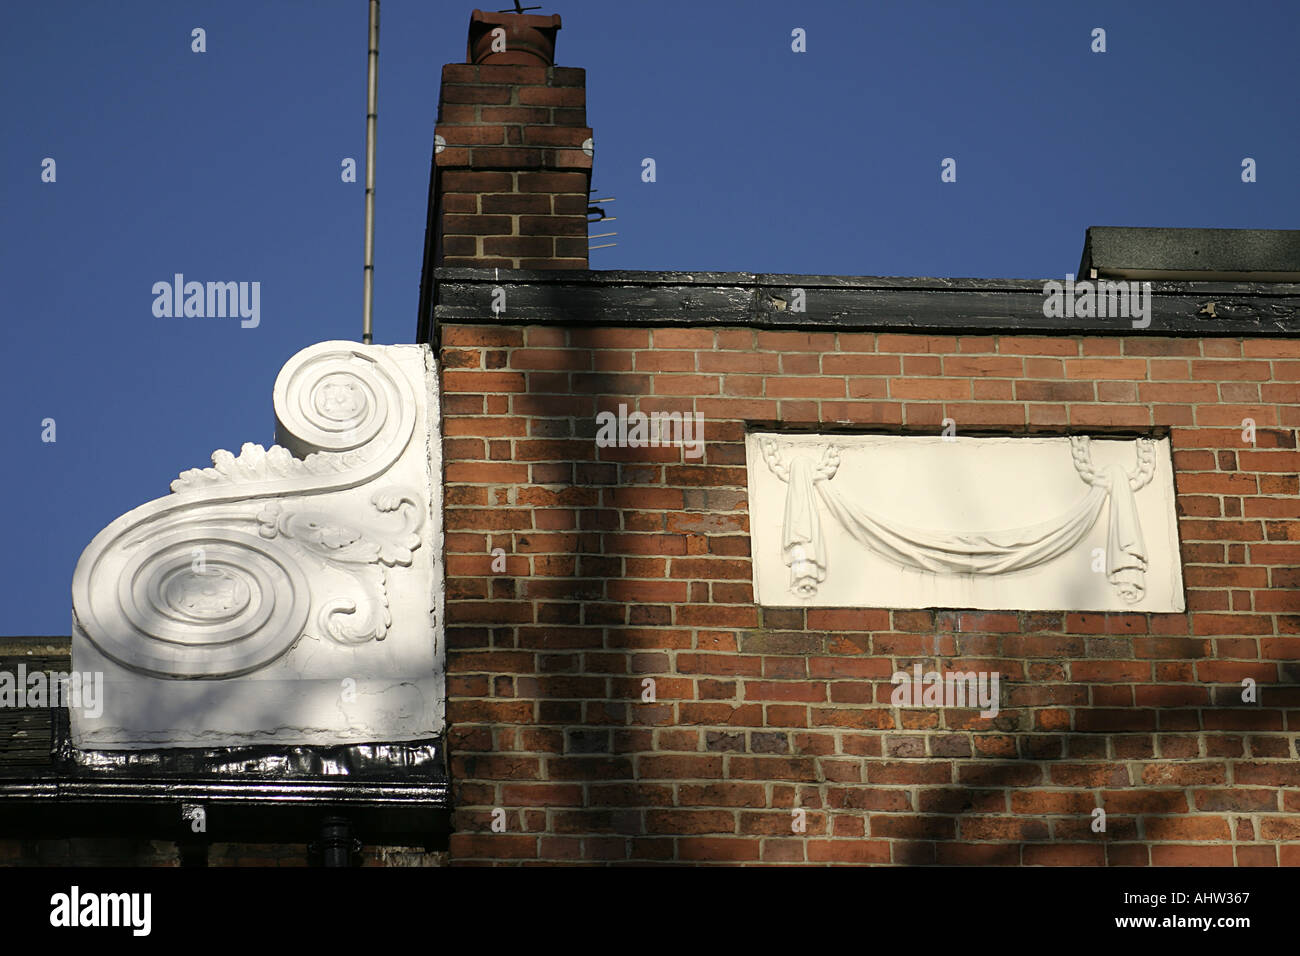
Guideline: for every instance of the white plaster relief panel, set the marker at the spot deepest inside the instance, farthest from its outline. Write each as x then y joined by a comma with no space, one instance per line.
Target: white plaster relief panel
290,595
1009,523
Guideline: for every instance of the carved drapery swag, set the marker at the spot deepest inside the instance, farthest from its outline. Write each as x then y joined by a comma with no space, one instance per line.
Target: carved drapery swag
963,552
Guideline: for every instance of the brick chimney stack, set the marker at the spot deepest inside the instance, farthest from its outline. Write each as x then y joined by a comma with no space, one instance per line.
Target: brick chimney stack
512,157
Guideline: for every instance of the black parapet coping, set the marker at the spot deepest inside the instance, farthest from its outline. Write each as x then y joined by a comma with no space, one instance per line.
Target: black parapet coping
1141,252
846,303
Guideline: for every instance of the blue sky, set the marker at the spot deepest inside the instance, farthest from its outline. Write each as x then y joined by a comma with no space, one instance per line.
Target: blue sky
225,166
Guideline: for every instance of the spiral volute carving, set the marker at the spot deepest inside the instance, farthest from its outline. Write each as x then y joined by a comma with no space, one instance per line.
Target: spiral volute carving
187,587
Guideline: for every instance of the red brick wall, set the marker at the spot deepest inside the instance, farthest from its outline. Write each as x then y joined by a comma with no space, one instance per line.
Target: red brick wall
633,563
511,183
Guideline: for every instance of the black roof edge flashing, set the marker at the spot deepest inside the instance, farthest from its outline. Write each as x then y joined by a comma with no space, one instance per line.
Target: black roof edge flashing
1224,255
1177,307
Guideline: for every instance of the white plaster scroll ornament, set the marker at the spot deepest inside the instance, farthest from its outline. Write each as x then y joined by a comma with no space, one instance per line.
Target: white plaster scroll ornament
243,559
964,552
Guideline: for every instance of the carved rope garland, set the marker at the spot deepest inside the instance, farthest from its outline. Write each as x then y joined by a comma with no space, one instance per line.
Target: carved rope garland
971,552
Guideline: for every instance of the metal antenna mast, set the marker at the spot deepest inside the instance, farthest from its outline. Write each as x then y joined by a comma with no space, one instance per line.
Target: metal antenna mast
372,97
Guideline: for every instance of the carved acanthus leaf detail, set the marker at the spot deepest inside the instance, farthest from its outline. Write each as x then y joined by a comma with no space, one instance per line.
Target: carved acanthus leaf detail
255,463
360,550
